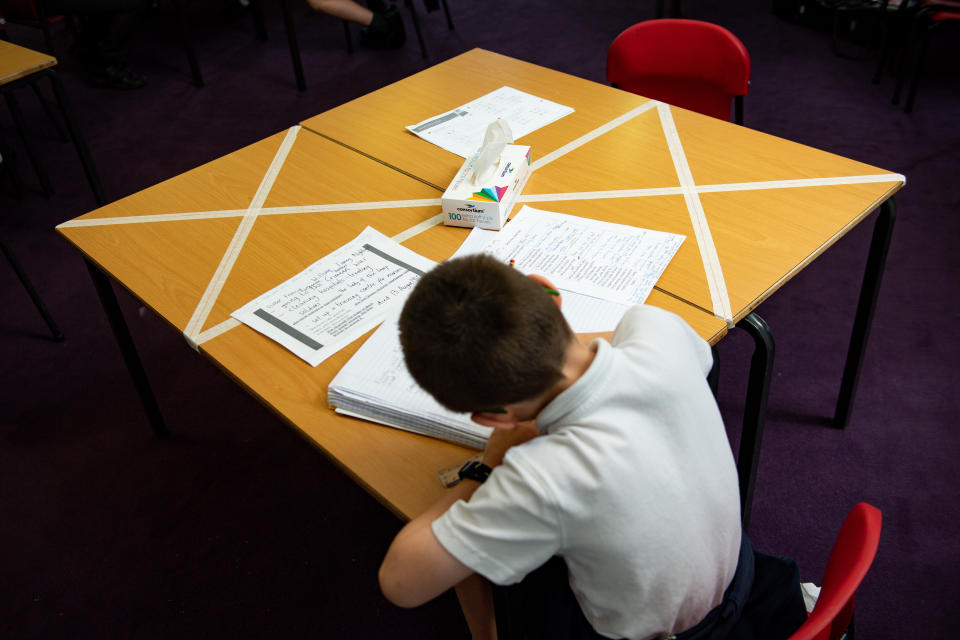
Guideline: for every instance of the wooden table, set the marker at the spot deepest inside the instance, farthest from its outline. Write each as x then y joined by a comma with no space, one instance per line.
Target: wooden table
756,209
766,215
166,243
20,66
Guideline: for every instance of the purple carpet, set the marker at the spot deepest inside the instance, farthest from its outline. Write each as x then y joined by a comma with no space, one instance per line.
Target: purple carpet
236,527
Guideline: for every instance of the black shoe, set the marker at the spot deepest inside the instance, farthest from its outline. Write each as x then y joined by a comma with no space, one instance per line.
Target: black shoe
114,76
385,31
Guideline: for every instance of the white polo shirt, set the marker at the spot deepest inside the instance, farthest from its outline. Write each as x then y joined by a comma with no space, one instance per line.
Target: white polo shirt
632,481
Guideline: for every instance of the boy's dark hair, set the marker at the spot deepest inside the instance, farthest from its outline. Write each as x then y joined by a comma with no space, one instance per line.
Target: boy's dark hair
478,334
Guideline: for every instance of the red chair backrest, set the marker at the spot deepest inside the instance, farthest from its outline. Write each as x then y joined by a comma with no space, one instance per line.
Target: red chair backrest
688,63
851,557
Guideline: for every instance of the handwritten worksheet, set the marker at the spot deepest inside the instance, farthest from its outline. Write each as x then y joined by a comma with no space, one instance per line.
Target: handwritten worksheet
338,298
461,130
606,266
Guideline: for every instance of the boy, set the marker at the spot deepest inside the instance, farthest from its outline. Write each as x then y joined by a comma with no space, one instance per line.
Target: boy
626,474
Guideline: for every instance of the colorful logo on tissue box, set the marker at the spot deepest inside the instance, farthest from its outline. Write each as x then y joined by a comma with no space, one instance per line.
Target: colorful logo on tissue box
490,195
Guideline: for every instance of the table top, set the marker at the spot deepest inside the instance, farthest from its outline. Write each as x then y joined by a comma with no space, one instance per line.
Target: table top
168,246
386,112
18,62
756,209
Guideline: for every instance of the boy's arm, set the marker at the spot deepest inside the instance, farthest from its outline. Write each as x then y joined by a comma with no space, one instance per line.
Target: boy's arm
417,568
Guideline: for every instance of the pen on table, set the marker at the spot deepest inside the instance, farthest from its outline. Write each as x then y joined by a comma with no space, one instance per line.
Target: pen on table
552,292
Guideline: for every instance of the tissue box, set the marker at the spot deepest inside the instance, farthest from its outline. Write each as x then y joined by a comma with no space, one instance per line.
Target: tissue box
487,206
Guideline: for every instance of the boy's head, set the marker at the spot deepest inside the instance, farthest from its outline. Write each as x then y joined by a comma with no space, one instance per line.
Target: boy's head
478,334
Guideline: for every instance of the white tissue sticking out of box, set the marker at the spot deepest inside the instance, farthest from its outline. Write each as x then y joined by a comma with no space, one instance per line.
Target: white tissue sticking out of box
497,136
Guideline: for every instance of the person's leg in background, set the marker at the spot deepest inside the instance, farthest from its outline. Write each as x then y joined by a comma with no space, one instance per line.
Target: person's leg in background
382,24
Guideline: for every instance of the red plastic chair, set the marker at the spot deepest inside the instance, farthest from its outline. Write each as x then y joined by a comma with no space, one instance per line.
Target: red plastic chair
850,559
688,63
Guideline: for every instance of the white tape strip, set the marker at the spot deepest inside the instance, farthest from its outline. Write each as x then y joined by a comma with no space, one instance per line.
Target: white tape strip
600,195
535,197
209,297
232,323
418,228
596,133
802,182
708,252
263,211
217,330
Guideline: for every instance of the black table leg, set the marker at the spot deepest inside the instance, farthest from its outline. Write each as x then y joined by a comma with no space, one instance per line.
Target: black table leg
78,142
120,331
37,300
755,410
259,26
14,106
882,232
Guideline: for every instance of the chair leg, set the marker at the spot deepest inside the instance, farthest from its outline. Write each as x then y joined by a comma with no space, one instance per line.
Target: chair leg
127,348
906,54
188,43
347,36
416,27
34,296
876,259
14,106
259,26
755,410
289,25
918,68
886,42
78,142
47,36
446,12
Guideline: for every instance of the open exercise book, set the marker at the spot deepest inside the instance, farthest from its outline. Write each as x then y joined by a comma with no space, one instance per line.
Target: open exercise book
570,251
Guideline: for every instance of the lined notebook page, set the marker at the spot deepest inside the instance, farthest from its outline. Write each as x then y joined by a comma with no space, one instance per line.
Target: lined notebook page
375,383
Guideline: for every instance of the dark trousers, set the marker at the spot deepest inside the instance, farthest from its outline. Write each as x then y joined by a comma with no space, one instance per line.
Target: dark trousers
763,602
107,27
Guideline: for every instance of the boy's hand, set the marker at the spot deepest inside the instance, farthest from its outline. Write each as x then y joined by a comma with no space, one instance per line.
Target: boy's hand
502,439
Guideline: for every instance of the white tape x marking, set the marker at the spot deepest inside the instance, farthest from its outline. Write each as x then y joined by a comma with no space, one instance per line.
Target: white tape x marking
688,189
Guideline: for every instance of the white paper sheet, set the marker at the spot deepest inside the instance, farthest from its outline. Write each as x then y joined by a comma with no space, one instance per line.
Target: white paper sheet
338,298
601,268
375,385
461,130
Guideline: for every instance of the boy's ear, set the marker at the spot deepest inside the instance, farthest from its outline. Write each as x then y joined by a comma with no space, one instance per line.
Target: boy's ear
495,420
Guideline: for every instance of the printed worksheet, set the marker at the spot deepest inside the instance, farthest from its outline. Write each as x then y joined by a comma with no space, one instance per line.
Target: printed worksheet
601,268
338,298
461,130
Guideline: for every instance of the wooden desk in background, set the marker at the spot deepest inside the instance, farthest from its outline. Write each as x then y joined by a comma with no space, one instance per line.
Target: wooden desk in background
20,66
